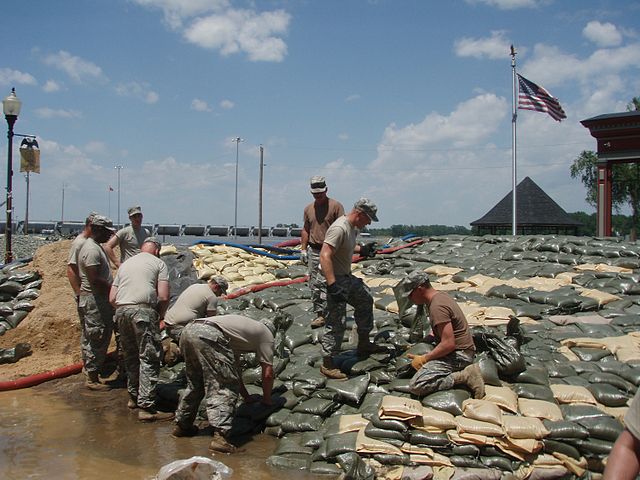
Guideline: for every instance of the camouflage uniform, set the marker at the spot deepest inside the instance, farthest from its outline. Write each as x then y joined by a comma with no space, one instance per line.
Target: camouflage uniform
359,297
317,283
211,374
96,321
141,347
436,375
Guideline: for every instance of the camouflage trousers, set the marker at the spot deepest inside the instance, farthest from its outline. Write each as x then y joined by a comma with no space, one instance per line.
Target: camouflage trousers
437,375
96,322
142,350
359,297
317,283
211,374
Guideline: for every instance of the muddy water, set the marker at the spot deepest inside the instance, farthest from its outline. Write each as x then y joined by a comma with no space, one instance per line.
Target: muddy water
59,430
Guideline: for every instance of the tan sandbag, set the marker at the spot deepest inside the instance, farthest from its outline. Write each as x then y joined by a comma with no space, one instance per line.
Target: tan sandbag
416,449
468,425
369,445
566,351
602,297
232,276
268,277
168,250
577,467
350,423
443,472
518,448
469,438
206,273
399,408
524,427
626,355
436,460
482,410
572,394
601,267
441,270
432,419
498,313
616,412
504,397
539,409
546,460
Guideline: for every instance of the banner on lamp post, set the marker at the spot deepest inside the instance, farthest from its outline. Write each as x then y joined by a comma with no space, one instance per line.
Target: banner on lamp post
29,156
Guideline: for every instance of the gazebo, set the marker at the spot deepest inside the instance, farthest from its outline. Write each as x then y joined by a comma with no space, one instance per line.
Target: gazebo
537,213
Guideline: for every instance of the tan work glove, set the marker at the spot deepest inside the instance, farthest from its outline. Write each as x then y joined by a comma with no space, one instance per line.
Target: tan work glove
417,361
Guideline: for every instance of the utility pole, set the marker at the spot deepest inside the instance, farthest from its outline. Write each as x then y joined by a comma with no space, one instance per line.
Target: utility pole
62,212
118,167
235,215
260,195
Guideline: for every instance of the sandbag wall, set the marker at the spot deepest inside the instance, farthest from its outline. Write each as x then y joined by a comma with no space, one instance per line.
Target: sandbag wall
559,409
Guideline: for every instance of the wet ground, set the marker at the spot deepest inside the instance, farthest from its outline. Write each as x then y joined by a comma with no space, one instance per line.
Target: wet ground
60,430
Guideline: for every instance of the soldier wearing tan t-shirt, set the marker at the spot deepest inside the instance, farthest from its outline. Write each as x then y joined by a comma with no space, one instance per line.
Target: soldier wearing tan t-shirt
318,217
624,460
451,361
129,238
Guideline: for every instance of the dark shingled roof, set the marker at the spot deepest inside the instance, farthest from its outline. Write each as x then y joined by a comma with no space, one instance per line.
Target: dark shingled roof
534,208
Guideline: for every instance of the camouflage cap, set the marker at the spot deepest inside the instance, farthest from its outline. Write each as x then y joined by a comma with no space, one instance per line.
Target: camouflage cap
221,282
318,184
134,210
368,207
102,221
153,240
409,283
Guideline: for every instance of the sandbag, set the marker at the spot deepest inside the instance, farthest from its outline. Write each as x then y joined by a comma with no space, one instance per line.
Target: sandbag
372,431
524,427
316,406
553,446
604,428
339,444
467,425
576,412
447,400
432,440
504,397
565,429
535,392
609,395
489,369
301,422
572,394
388,424
482,410
354,467
539,409
289,462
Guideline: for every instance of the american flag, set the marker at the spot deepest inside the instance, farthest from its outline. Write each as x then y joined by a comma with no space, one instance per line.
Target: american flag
110,188
534,97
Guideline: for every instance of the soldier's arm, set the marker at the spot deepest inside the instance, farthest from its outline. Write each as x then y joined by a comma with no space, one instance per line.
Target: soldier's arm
108,249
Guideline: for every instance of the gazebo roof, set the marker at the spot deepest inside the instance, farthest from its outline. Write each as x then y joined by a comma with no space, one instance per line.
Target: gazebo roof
534,208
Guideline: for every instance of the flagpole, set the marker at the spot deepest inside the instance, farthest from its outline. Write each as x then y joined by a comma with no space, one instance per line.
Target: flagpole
514,117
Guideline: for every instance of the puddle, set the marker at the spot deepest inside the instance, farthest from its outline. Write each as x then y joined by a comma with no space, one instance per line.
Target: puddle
61,430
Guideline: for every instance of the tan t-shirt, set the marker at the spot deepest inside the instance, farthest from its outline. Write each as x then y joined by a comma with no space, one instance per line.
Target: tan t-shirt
137,280
342,237
246,335
318,219
76,245
92,255
444,309
193,303
632,417
130,241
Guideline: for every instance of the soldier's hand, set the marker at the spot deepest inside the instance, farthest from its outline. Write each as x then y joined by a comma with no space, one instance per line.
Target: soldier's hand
417,361
368,249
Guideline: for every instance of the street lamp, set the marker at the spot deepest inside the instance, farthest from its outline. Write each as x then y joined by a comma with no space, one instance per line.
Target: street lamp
235,216
11,108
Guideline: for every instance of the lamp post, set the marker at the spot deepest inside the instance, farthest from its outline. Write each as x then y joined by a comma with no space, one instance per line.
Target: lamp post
11,108
118,167
235,215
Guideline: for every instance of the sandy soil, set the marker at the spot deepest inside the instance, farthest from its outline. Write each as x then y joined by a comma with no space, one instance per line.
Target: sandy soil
52,327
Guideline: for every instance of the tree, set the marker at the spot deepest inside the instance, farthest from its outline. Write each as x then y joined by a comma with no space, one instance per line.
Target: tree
634,104
625,188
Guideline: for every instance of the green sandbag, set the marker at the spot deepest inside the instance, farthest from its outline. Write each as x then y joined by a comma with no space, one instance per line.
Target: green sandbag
609,395
316,406
339,444
604,428
590,354
565,429
388,424
553,446
534,375
354,467
574,380
364,366
468,450
576,412
275,431
465,462
301,422
324,468
560,370
592,446
631,375
370,404
311,439
390,459
372,431
291,444
400,385
535,392
428,439
499,462
447,400
489,369
612,379
351,391
381,377
289,462
276,418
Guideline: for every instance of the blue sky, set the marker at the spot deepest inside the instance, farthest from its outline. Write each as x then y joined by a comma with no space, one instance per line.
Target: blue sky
406,102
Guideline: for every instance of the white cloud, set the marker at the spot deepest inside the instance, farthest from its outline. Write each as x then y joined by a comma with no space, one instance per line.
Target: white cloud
200,105
46,112
176,11
509,4
10,77
78,69
235,31
494,47
141,91
352,98
602,34
227,104
343,136
51,86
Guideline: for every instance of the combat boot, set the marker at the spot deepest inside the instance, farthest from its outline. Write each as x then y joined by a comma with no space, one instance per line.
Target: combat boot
132,403
472,378
184,431
329,370
220,444
367,347
153,415
318,322
93,383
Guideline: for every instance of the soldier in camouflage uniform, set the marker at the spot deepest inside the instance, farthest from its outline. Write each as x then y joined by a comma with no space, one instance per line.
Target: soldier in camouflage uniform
318,217
94,309
140,293
211,348
342,287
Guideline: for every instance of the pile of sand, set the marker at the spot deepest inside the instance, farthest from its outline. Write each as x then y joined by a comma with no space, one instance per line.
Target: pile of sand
52,327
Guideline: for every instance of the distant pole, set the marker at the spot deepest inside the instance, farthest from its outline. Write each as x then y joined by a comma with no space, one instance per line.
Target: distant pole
514,117
62,212
109,200
260,196
26,211
235,215
118,167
